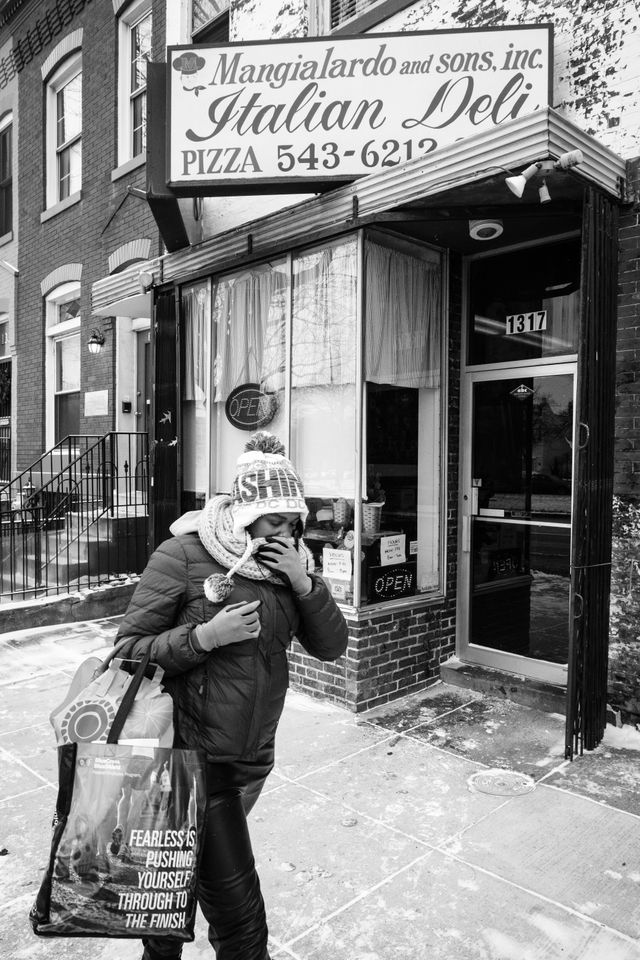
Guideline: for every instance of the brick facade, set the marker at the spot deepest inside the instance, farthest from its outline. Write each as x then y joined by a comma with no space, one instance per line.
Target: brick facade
87,232
624,650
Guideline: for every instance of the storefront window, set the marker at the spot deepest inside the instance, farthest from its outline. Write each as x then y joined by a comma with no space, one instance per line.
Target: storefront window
524,304
196,303
323,369
249,326
396,553
343,365
323,402
401,501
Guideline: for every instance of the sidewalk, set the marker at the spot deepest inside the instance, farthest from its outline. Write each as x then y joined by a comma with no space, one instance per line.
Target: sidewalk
371,842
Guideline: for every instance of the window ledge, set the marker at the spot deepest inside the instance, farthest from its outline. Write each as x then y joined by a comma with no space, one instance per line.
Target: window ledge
375,610
6,238
127,167
57,208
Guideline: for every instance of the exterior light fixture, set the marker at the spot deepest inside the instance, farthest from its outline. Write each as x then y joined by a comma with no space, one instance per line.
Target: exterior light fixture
570,159
517,184
564,162
543,193
145,280
485,229
95,342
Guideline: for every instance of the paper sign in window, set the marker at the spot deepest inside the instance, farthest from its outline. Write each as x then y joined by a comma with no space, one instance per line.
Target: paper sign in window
336,564
393,549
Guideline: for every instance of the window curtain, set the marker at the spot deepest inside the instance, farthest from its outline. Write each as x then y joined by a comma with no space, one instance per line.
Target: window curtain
323,395
196,312
195,303
324,307
403,298
249,312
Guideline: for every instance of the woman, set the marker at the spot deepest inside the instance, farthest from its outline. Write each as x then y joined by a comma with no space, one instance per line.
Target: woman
219,604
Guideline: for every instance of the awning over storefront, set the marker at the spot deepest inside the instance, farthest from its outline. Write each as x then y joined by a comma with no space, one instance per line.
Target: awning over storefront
468,172
138,305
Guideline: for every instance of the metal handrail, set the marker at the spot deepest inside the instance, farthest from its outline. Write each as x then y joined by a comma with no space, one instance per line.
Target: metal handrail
82,524
68,443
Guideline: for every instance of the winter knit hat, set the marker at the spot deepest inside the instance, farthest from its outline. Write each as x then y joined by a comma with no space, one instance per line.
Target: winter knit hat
265,482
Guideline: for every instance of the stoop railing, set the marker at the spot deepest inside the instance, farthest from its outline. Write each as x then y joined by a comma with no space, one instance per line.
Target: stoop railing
77,517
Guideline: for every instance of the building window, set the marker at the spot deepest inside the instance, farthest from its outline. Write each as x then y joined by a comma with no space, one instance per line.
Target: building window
6,178
525,304
134,54
342,10
63,363
64,131
210,21
339,348
328,15
4,335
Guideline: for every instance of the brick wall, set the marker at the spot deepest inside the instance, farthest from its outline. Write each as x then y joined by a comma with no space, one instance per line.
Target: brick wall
86,233
624,650
392,653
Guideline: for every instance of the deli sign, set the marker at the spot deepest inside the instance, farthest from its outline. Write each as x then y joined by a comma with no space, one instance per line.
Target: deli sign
297,113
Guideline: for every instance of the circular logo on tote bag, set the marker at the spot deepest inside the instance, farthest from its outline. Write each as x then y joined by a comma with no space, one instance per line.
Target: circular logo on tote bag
87,720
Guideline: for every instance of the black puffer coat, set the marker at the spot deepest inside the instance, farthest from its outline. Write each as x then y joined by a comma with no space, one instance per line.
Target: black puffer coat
227,701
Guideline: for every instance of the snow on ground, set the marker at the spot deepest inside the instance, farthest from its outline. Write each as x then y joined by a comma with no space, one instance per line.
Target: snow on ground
625,737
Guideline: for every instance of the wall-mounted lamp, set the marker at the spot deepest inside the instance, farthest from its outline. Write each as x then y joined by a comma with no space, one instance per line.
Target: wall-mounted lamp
145,280
565,161
517,184
485,229
95,342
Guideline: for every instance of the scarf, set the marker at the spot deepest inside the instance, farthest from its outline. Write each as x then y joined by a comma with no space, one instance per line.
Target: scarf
215,529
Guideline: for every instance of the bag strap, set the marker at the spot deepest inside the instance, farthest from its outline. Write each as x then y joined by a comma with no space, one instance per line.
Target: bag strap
113,653
128,698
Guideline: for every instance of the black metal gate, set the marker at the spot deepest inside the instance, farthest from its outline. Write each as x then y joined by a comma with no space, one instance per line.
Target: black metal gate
592,511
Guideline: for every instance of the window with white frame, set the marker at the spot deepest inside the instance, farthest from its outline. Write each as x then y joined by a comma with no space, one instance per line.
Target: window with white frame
64,131
6,174
134,52
62,369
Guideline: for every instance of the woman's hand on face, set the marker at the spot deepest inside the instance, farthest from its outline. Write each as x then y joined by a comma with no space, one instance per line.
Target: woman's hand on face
281,557
232,624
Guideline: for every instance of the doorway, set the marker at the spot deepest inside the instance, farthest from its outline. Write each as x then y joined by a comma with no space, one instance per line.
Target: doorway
143,404
516,519
518,415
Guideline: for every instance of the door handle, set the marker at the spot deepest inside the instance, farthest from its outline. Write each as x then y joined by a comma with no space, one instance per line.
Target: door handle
466,533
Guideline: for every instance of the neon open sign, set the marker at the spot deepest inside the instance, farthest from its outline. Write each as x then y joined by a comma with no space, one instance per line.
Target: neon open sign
247,407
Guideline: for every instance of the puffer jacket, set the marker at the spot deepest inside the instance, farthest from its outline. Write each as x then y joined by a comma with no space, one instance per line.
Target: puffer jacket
227,701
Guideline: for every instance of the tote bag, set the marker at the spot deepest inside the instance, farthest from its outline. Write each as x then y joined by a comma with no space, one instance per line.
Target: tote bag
93,698
126,840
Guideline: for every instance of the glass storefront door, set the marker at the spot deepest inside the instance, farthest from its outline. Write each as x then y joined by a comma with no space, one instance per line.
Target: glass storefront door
516,519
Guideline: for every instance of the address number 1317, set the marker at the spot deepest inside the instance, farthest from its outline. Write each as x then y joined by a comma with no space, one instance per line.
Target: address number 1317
526,322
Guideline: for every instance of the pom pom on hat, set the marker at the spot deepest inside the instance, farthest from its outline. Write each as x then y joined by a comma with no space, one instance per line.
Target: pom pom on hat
265,482
266,442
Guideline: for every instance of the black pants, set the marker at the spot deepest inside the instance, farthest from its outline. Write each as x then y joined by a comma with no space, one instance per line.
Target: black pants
228,887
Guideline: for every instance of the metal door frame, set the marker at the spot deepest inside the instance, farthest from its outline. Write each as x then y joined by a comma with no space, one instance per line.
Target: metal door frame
470,653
